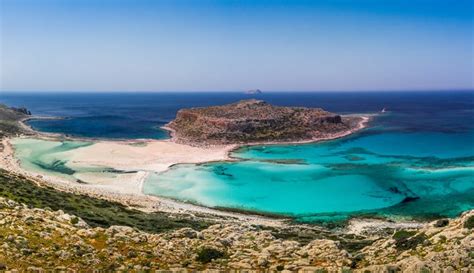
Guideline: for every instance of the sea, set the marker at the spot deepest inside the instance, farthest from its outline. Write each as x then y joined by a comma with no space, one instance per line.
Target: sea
414,161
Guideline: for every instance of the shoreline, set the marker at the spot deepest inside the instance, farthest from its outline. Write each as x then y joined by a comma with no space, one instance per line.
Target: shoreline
133,196
362,124
135,199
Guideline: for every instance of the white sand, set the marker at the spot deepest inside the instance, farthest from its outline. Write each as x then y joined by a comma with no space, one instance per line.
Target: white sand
361,226
152,156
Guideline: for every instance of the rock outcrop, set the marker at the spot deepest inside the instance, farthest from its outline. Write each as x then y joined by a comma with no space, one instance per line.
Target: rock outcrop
22,110
10,120
253,120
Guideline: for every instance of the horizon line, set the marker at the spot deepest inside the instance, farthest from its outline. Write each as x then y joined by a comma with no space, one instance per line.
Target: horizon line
238,91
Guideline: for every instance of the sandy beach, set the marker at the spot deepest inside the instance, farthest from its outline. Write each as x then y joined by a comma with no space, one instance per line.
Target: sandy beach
139,158
127,190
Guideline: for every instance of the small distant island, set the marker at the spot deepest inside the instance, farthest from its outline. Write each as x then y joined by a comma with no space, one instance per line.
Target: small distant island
253,91
256,121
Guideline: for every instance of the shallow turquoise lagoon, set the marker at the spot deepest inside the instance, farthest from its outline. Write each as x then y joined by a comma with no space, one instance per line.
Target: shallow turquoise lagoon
44,156
54,158
421,174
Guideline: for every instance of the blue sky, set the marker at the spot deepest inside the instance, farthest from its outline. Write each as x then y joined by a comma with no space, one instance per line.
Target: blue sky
140,45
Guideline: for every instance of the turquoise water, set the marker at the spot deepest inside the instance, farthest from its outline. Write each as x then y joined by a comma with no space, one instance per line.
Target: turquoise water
44,156
55,158
416,160
427,174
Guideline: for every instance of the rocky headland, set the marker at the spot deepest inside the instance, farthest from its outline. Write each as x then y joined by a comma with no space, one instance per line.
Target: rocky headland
10,118
255,121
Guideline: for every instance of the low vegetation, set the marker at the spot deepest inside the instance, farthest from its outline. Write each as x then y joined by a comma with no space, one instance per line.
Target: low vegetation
405,240
403,234
207,254
469,223
96,212
255,121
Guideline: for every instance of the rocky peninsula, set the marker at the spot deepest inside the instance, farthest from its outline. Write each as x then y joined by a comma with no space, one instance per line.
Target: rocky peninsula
256,121
10,118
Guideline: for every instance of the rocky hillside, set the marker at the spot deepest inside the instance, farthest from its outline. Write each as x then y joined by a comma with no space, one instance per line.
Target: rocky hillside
255,121
41,238
9,118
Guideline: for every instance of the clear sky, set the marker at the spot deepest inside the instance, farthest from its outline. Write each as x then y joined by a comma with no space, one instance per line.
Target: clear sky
203,45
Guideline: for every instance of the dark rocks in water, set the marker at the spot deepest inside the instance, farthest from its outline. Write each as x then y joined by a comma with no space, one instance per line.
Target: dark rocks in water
394,190
219,170
253,120
353,158
409,199
285,161
22,110
55,166
112,170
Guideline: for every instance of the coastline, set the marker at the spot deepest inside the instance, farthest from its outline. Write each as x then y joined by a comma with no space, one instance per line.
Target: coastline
365,118
132,194
362,124
30,129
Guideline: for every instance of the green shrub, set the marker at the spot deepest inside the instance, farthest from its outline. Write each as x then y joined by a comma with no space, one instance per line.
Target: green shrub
207,254
469,222
403,234
424,270
74,220
406,240
94,211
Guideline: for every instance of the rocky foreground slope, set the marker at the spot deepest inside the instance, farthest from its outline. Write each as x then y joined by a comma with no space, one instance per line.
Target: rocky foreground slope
41,238
253,120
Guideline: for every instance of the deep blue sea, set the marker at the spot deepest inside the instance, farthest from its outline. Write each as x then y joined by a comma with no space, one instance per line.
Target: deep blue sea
415,160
